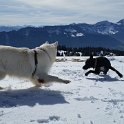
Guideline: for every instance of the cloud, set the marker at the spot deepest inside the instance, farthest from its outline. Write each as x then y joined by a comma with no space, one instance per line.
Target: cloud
54,12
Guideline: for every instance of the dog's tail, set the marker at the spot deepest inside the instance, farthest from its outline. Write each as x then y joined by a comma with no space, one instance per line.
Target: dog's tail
120,75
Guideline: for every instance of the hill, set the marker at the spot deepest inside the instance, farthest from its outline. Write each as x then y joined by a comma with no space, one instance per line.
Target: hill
102,34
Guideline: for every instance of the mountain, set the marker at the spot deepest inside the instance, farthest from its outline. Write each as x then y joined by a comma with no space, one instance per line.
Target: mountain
10,28
102,34
121,22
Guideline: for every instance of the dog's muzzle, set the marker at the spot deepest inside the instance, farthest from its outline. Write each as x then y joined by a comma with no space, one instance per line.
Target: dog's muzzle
85,67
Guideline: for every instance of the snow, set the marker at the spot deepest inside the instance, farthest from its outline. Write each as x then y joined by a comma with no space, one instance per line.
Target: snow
108,30
79,34
71,30
72,35
86,100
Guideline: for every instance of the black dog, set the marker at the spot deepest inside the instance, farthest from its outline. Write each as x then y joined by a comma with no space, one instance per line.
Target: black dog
100,64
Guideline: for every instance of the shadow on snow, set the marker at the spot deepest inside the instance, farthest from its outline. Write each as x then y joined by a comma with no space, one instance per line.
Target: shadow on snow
103,78
30,97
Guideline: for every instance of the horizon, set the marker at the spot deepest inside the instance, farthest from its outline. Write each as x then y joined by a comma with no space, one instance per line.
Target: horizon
58,24
62,12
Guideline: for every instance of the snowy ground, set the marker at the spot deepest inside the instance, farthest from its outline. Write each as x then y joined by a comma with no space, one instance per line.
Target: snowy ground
86,100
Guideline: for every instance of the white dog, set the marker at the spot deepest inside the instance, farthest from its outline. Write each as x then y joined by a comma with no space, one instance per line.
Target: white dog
33,64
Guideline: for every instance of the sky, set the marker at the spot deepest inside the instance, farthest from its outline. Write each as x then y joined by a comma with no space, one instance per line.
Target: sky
59,12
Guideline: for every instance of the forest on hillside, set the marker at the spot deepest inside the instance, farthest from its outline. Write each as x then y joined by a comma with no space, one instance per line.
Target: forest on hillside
86,51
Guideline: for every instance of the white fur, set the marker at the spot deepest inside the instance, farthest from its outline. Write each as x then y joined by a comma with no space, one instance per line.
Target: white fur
20,62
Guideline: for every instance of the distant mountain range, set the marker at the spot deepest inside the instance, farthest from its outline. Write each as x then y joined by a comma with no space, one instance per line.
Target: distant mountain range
102,34
10,28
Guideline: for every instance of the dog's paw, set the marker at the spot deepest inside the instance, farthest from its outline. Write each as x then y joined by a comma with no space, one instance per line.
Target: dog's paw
121,76
66,81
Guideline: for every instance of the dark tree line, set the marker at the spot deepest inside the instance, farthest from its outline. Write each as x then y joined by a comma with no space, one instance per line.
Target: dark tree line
86,51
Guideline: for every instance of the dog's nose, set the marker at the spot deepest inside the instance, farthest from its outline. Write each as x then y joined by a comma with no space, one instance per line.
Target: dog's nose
84,67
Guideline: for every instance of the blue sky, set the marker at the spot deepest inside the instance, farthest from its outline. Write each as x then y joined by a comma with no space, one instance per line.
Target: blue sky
55,12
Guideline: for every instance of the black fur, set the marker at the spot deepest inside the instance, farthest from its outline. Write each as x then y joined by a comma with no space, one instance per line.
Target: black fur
100,64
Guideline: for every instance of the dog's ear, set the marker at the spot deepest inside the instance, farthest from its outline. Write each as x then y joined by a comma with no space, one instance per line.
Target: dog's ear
91,56
56,43
46,42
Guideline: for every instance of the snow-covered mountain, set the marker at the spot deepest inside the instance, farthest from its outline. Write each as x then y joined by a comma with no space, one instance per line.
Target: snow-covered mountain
102,34
121,22
103,27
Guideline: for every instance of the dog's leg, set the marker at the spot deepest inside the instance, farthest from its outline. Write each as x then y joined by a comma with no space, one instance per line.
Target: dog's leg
92,71
2,75
36,82
50,78
105,71
44,78
120,75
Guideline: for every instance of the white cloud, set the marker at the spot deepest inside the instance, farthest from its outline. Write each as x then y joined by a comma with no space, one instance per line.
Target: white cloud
53,12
